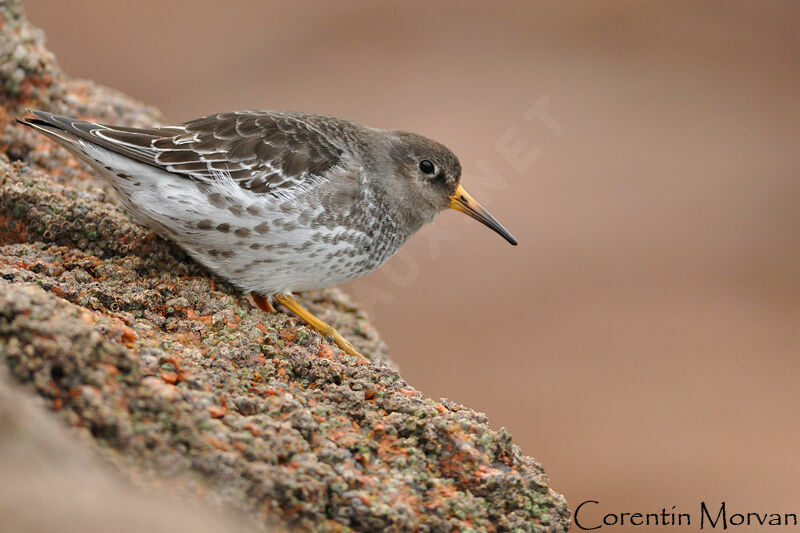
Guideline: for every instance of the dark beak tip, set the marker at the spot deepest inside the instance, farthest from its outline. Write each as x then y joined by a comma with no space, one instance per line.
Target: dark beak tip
510,238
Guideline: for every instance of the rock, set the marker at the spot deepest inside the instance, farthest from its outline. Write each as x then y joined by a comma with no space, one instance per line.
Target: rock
178,380
51,482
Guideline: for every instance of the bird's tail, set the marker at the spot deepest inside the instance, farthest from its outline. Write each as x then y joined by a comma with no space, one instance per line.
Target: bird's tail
55,127
72,134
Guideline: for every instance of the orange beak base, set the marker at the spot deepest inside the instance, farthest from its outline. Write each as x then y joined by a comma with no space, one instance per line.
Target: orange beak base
462,201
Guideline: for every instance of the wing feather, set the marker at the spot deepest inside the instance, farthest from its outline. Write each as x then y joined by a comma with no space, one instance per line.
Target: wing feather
262,151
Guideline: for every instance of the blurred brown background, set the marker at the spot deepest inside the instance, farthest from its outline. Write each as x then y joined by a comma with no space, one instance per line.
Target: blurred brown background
643,340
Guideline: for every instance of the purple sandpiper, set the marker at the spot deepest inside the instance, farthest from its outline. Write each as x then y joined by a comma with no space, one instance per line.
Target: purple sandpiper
275,202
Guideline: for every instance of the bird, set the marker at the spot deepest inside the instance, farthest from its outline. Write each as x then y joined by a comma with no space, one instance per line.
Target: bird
275,202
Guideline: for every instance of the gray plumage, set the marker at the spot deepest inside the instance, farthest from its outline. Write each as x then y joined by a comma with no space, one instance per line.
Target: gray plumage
273,201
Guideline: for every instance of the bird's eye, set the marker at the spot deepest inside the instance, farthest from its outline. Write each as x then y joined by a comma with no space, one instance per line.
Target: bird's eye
426,166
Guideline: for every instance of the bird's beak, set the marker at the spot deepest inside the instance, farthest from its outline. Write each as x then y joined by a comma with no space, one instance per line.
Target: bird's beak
462,201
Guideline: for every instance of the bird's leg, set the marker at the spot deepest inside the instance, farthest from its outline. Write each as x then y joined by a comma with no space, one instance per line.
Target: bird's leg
262,303
315,323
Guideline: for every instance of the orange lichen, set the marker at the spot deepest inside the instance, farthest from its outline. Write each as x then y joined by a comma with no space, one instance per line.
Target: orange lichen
216,412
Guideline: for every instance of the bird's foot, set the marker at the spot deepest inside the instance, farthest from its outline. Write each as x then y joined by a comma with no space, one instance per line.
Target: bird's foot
315,323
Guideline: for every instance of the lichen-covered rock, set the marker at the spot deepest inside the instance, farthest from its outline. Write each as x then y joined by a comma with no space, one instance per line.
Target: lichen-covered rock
178,377
51,482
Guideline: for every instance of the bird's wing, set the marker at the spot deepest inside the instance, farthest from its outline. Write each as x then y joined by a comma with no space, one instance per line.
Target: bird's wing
261,151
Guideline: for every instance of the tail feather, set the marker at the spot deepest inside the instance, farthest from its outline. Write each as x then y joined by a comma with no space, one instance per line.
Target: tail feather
69,132
65,138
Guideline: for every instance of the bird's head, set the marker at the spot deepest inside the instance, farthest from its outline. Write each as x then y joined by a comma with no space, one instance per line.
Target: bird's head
428,176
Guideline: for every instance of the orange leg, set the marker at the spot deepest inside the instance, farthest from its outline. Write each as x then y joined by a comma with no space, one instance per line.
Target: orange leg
262,303
315,323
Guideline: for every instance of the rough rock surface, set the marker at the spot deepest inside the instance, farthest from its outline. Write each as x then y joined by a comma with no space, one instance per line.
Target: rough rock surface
178,379
51,483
